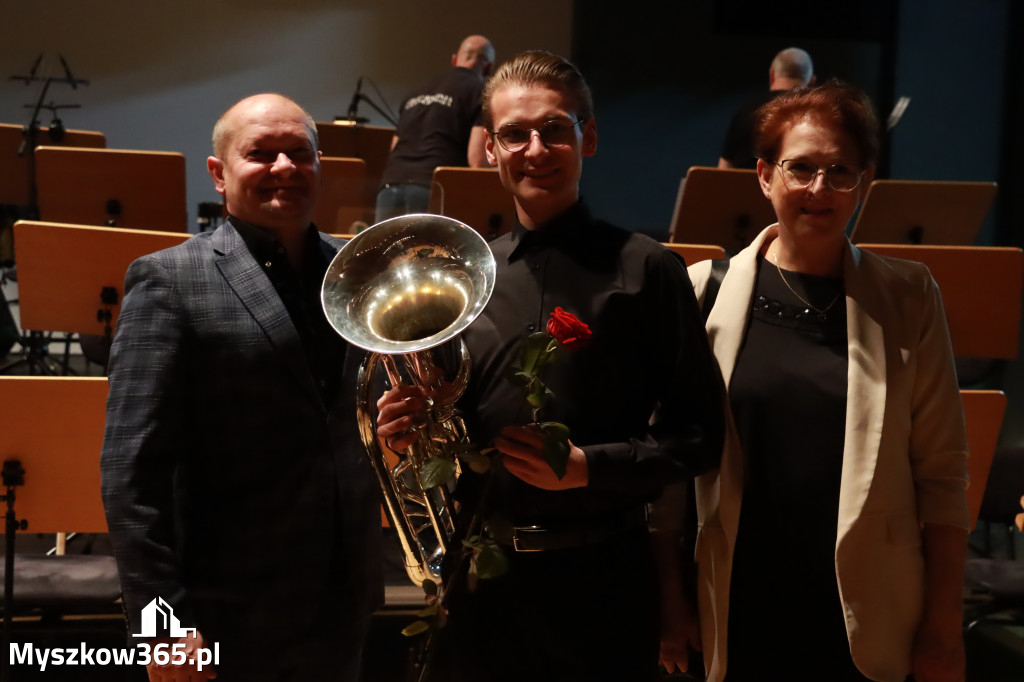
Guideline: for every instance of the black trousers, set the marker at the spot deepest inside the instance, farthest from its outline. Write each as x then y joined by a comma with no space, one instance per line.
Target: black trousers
587,613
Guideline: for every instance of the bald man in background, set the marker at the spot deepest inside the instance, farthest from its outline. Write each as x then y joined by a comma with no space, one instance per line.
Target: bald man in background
791,68
236,488
439,125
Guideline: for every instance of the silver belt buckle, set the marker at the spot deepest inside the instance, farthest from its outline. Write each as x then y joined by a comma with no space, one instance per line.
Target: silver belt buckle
517,530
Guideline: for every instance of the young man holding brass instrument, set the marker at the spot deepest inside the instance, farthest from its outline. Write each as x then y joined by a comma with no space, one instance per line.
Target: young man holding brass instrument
641,400
235,485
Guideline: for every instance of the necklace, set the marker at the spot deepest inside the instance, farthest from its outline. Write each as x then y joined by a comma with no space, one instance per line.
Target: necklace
821,311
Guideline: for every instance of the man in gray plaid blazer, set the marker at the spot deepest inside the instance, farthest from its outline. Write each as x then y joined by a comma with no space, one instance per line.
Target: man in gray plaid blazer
235,485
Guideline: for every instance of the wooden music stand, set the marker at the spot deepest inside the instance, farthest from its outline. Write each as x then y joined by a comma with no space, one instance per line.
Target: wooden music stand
695,253
983,417
720,206
117,187
342,197
922,212
372,144
54,426
981,290
16,171
71,276
53,430
474,196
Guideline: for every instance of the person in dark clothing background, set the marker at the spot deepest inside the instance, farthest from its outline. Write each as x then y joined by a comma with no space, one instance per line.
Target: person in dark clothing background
438,125
791,68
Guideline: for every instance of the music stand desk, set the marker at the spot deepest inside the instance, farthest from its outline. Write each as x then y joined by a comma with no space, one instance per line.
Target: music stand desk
923,212
981,291
342,195
78,185
372,144
983,417
62,270
720,206
16,171
54,426
695,253
474,196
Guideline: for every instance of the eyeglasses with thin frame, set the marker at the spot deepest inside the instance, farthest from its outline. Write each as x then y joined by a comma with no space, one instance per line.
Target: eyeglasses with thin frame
554,133
801,175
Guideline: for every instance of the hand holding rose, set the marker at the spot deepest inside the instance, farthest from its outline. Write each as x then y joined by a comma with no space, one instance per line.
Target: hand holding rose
523,447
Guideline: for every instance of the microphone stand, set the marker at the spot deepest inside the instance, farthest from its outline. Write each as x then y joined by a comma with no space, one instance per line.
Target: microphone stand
357,97
30,133
35,344
363,98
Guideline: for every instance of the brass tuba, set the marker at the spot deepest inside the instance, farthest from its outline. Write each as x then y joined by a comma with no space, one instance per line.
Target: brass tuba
403,290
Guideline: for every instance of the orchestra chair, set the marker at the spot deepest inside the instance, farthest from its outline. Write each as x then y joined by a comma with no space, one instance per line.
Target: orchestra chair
341,205
695,253
372,144
720,206
923,212
53,427
140,190
71,277
474,196
16,172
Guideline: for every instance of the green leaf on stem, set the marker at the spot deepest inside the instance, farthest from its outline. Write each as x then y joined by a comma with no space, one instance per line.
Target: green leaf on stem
436,471
556,446
417,627
536,351
429,587
478,461
491,562
539,394
518,377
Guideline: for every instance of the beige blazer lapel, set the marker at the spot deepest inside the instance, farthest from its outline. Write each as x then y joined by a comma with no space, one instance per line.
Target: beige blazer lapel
727,323
866,388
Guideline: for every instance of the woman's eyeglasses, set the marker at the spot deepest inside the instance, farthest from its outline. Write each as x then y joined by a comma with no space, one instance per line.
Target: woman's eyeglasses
800,175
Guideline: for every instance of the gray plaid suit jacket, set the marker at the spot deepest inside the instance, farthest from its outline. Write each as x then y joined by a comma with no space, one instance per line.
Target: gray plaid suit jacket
230,490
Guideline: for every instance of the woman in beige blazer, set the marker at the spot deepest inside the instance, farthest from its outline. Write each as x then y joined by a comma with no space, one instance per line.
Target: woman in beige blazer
831,541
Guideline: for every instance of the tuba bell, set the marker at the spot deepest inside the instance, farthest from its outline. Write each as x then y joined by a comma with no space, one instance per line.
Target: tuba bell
403,290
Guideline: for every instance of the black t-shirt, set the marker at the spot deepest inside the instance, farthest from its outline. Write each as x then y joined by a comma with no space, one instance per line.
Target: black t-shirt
434,126
738,147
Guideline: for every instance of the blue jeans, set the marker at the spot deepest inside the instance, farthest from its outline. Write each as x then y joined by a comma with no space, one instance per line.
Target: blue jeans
401,199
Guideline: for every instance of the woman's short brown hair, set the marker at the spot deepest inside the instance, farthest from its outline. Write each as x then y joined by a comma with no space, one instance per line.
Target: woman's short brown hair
844,105
537,67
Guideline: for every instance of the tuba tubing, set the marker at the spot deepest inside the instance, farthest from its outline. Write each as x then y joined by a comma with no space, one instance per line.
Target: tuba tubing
403,290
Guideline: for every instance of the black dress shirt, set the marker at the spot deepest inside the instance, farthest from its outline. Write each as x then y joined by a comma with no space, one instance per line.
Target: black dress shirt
300,293
643,400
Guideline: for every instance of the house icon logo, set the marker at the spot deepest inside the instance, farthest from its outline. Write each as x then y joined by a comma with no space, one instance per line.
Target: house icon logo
160,611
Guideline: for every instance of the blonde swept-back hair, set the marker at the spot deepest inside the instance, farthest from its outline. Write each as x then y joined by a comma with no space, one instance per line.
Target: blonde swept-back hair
537,67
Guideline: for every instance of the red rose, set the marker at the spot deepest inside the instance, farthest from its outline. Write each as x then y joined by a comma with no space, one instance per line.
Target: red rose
568,330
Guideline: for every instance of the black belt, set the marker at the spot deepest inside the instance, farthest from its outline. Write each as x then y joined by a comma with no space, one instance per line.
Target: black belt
540,538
